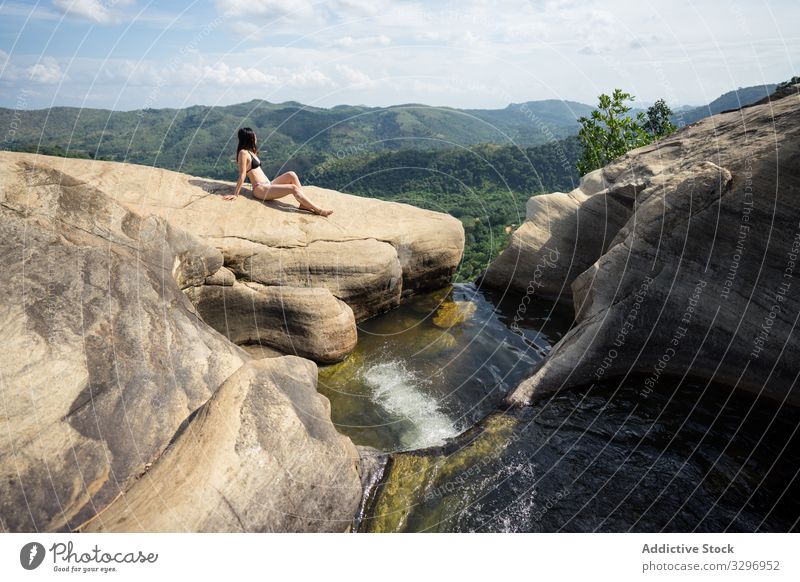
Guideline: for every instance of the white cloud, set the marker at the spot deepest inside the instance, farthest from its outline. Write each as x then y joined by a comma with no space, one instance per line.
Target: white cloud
460,38
360,42
523,31
464,53
469,38
100,11
307,79
431,36
46,71
601,33
223,74
266,8
644,41
351,76
305,9
184,74
245,29
210,74
8,70
369,7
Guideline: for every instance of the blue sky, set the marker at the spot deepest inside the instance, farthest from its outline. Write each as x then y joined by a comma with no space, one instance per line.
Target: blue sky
130,54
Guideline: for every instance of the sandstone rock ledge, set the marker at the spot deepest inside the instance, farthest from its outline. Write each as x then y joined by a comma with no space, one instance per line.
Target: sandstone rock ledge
681,258
124,411
293,281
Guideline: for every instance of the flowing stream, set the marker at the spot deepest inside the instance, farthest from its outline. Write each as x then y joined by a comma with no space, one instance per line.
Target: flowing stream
426,383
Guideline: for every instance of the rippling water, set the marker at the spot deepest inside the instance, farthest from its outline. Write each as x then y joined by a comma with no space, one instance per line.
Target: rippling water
691,457
404,395
419,376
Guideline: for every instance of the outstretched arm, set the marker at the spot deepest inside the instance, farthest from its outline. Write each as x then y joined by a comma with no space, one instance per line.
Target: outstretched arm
243,162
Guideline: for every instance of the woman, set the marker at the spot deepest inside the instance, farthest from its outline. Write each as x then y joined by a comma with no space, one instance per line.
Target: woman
263,189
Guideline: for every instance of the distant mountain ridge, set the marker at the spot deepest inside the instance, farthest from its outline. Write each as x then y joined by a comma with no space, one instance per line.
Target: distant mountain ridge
731,100
200,137
200,140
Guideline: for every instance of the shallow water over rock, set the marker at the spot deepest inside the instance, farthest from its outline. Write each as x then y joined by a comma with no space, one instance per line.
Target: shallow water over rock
432,368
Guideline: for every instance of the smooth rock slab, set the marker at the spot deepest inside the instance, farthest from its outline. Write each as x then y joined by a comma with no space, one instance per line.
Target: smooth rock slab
304,321
365,274
562,236
103,356
260,456
370,253
702,279
105,360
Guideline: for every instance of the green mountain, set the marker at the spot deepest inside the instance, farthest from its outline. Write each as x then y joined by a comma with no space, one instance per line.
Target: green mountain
200,140
525,170
535,122
730,100
486,186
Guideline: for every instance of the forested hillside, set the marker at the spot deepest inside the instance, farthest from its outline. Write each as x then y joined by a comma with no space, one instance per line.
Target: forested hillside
199,140
486,186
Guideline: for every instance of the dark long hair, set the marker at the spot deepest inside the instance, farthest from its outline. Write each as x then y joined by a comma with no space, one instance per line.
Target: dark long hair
247,141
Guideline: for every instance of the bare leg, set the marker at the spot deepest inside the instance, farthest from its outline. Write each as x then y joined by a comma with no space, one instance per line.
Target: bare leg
288,178
273,191
284,185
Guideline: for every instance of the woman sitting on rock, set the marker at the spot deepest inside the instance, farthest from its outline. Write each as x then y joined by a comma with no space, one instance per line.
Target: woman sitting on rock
263,189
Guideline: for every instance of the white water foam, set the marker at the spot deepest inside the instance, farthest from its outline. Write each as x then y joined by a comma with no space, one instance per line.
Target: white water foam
394,387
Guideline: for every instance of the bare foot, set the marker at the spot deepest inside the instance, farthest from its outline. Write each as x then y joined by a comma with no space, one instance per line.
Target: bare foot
319,212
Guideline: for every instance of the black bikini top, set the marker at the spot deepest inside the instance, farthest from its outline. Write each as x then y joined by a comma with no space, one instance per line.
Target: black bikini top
254,161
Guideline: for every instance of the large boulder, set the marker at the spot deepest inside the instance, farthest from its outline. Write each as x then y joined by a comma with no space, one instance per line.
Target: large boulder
700,281
562,236
104,358
260,456
369,254
308,321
